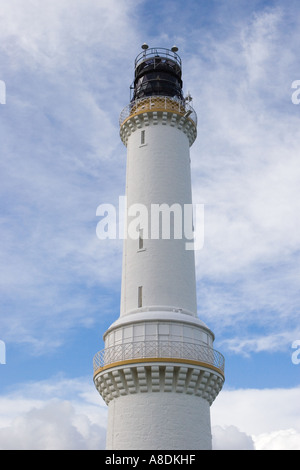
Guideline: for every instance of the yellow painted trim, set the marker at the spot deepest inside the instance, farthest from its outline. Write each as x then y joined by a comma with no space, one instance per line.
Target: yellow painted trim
158,359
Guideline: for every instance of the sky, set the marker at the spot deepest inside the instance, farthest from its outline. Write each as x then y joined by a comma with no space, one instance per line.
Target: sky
66,68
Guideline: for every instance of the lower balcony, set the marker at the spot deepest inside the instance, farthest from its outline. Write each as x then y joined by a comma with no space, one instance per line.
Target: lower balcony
159,351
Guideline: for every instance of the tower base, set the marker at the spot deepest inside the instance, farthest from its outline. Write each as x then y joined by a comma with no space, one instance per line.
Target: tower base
159,421
158,374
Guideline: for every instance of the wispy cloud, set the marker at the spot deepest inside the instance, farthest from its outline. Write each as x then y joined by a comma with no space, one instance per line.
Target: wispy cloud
67,67
65,88
246,172
60,150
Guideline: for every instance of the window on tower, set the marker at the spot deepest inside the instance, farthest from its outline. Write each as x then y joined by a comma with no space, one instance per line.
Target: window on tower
140,296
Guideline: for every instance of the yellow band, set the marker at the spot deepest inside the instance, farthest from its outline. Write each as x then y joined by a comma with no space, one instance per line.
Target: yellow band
158,359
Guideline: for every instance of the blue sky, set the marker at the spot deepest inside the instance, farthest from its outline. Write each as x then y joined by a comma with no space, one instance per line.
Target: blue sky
67,66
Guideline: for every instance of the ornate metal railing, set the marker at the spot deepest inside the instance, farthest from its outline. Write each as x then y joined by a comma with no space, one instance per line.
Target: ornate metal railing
158,103
159,349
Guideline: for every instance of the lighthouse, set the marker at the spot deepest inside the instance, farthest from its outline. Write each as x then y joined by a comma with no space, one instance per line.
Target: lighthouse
158,372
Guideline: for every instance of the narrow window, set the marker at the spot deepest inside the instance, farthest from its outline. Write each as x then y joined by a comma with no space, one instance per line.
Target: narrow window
140,296
142,137
141,240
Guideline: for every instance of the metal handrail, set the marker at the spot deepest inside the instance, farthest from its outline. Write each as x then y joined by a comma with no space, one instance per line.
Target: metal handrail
152,103
159,349
159,52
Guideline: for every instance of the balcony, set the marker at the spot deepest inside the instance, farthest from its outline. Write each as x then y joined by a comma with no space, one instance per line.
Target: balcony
159,350
158,103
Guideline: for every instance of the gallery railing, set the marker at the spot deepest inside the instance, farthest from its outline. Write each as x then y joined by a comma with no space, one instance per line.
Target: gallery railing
159,349
158,103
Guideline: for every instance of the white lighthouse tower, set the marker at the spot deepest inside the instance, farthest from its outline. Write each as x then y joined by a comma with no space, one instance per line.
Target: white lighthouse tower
158,373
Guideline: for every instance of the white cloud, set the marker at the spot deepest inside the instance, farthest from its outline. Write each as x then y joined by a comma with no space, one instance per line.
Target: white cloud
267,343
64,70
64,94
49,27
61,63
248,170
260,42
230,438
55,426
267,419
287,439
245,170
64,64
54,414
61,413
271,417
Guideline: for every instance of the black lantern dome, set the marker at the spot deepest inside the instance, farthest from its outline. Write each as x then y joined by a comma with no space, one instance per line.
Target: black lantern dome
157,73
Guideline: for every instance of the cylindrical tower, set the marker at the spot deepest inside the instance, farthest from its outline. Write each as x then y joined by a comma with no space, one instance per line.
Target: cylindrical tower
158,372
